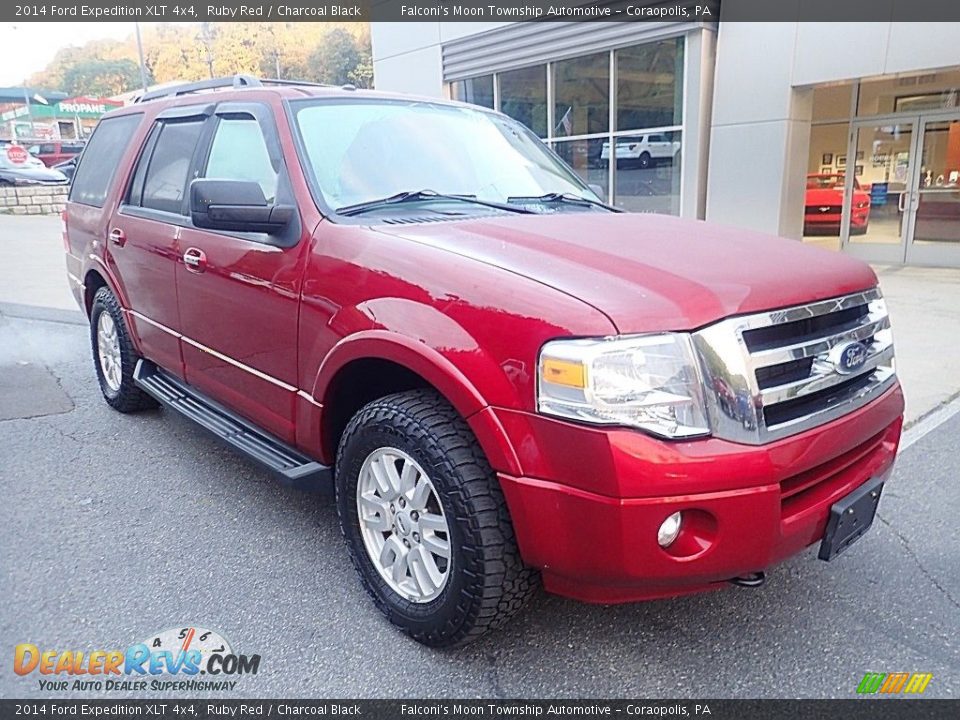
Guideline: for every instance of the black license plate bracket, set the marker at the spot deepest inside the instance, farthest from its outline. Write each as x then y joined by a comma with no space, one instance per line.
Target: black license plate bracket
850,518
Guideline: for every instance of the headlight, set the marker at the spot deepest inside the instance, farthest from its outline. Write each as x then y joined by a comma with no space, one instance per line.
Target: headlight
644,381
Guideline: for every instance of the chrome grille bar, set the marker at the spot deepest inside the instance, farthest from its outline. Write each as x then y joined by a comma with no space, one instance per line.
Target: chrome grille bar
829,387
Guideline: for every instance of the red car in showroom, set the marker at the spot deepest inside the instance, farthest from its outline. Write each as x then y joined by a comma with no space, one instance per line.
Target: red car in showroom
824,205
415,305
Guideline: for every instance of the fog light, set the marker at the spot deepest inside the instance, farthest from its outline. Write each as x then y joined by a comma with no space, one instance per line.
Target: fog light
669,530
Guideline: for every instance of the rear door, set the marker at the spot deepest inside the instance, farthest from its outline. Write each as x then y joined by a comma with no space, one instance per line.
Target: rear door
93,198
144,236
239,296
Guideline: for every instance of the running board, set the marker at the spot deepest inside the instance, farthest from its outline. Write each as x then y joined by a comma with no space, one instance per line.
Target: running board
291,467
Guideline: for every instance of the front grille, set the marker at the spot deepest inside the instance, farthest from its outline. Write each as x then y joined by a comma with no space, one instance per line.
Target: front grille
819,209
777,373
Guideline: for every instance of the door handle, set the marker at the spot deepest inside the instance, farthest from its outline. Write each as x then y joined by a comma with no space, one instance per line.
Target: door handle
195,260
118,237
901,203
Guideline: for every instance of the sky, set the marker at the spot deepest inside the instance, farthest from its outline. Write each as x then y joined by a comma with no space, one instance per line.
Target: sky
26,48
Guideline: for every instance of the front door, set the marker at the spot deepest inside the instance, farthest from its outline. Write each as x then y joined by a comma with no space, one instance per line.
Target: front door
934,207
879,170
239,292
901,200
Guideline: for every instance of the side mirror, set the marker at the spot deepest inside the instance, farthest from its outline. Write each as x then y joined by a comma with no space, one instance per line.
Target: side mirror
237,205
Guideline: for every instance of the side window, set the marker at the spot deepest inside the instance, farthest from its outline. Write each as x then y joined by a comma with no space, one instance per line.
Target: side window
239,152
102,157
165,182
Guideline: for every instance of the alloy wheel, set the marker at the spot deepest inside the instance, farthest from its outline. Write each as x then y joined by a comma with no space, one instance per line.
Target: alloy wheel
403,526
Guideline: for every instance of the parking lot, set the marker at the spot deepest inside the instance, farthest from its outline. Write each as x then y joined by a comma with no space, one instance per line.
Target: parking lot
116,527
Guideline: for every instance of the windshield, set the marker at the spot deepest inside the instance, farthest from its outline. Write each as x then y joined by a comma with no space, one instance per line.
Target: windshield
828,182
362,150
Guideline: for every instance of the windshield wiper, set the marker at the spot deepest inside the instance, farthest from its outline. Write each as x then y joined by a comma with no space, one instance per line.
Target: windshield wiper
422,196
567,198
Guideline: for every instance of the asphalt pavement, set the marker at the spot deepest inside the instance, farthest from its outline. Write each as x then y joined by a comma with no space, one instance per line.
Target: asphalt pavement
116,527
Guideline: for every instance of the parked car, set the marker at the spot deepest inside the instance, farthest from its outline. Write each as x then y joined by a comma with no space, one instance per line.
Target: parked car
415,306
642,150
18,167
824,205
55,152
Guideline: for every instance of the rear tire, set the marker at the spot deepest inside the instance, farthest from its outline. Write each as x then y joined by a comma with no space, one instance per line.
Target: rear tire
114,356
417,439
644,161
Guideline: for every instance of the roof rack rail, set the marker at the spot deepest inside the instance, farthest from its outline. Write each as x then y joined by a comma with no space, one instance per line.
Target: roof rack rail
233,81
295,83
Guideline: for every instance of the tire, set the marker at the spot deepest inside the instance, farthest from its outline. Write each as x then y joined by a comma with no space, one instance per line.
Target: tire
644,161
115,375
484,580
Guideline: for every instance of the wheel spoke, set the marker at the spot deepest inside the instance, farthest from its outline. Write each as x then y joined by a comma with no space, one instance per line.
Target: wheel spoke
421,494
376,514
377,467
408,478
431,521
436,545
424,570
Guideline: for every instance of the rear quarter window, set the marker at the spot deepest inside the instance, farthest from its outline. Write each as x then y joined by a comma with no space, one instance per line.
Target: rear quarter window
101,158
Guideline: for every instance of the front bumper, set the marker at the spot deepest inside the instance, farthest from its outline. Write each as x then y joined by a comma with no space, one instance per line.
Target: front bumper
589,502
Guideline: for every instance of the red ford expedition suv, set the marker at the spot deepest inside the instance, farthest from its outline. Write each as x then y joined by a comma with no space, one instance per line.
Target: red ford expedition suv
415,305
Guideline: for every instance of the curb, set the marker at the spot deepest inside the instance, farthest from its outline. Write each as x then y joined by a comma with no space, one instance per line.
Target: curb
46,314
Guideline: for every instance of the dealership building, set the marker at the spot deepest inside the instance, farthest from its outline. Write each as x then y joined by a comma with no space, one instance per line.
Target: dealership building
846,135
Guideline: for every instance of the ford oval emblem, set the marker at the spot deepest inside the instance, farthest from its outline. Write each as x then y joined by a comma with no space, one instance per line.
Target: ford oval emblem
849,358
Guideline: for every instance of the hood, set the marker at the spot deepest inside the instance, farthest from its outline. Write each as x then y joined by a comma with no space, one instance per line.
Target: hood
36,173
650,272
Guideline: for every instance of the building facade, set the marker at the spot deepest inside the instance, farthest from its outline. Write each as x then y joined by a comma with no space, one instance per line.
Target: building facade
846,135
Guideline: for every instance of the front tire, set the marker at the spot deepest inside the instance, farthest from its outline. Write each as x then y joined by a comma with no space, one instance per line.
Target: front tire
425,521
114,356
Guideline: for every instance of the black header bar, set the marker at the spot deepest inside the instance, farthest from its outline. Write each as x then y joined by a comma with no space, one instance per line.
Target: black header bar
892,708
482,10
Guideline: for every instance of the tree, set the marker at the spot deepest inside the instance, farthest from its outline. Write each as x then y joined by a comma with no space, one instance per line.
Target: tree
101,78
336,53
334,59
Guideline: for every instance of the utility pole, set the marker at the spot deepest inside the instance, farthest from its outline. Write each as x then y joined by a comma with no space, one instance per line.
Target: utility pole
26,102
143,66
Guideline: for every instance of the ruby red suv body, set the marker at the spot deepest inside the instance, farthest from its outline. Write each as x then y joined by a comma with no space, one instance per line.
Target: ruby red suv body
770,362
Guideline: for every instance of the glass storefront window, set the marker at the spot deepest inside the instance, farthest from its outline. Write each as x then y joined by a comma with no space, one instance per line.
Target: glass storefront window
650,85
647,175
916,93
581,88
832,102
826,169
938,205
584,157
523,96
478,90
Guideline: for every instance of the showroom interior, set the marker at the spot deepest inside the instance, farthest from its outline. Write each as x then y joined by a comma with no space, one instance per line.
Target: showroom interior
780,127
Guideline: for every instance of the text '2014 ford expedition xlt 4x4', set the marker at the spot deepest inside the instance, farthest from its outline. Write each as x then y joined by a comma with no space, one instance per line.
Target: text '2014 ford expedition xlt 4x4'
417,305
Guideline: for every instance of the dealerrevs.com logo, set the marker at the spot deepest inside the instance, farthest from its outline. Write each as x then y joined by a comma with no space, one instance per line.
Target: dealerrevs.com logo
188,659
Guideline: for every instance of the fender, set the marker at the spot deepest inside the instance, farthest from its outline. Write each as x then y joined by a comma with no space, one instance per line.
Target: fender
434,368
94,263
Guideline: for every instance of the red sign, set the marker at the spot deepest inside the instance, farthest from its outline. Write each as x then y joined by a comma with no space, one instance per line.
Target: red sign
17,154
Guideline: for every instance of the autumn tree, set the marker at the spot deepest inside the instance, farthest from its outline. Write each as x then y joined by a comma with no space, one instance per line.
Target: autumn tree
335,53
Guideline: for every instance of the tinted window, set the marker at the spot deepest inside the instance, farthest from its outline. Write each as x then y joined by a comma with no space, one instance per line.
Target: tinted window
99,164
239,152
165,183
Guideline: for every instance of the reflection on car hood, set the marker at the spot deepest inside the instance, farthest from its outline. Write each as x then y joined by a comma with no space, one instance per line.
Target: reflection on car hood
36,174
650,272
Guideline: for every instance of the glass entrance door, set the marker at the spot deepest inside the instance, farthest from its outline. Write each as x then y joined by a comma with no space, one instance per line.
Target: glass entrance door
878,175
933,206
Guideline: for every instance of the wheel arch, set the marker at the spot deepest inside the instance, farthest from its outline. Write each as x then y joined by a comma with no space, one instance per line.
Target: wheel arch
377,363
